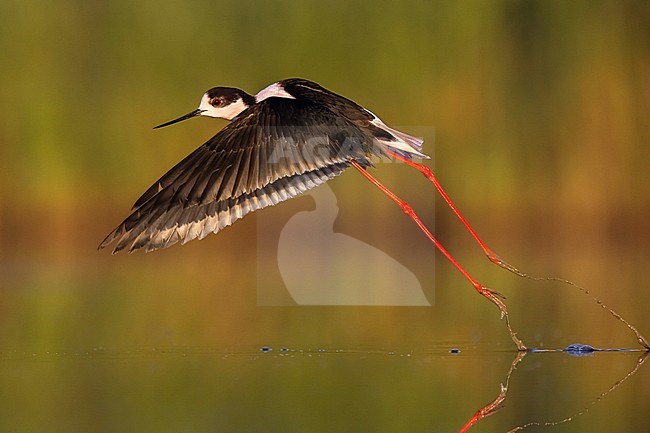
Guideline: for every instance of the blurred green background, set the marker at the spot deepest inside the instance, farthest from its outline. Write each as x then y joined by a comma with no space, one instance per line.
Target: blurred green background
540,111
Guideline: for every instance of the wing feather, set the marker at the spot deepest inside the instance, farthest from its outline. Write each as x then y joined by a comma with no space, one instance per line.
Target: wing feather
275,150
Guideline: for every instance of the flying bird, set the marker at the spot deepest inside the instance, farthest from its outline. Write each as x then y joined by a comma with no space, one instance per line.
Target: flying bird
290,137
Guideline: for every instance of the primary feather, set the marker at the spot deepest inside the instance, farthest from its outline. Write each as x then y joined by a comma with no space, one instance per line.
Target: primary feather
269,153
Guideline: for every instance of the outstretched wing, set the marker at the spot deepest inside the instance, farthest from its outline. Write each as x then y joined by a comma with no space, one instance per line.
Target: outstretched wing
273,151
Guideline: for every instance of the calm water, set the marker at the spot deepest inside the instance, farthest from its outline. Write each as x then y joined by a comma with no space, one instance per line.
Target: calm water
317,389
145,343
186,340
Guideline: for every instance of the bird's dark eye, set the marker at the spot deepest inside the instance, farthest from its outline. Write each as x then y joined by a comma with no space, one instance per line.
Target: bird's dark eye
215,102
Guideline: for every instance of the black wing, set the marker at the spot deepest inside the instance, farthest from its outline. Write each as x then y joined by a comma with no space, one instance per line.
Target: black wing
338,104
271,152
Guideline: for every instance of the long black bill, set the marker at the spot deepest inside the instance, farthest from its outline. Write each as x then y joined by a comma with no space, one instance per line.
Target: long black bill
180,119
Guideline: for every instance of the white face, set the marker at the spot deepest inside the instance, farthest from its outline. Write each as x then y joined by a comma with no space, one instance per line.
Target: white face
209,107
274,90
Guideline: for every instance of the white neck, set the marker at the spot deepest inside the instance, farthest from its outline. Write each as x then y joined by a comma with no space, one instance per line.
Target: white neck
274,90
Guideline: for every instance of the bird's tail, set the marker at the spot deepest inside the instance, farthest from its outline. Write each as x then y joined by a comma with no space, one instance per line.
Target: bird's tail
402,143
415,143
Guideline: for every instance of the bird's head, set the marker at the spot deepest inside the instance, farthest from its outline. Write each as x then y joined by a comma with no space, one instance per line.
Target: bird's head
223,102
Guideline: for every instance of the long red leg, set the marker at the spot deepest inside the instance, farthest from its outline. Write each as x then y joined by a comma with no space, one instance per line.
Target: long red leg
491,295
426,171
494,258
492,407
